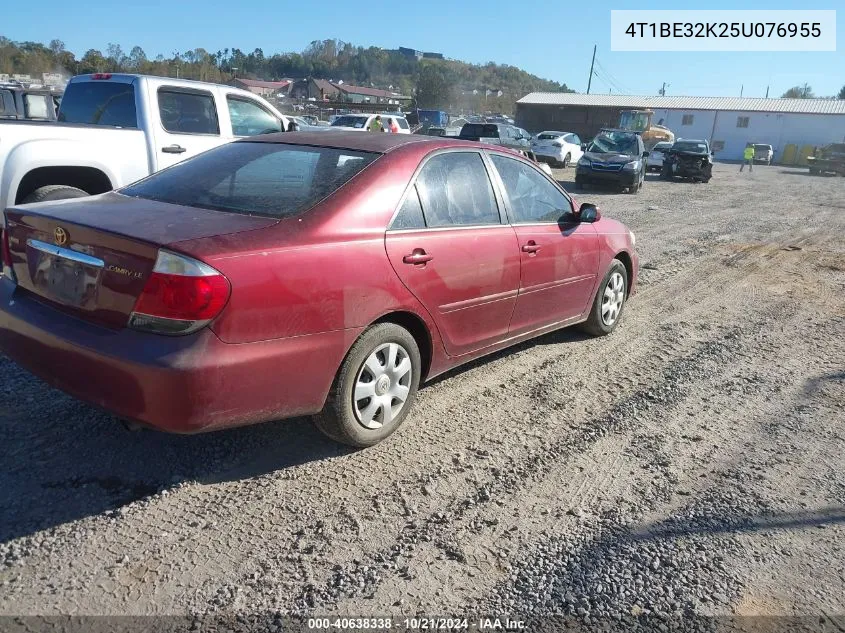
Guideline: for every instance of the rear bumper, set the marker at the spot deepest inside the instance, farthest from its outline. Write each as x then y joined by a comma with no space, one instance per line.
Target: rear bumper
548,153
182,384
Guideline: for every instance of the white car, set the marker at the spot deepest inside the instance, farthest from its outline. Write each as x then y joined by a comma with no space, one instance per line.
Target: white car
361,122
654,162
763,153
558,148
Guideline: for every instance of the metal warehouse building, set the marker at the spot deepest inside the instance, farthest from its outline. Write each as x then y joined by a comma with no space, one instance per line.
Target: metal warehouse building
791,126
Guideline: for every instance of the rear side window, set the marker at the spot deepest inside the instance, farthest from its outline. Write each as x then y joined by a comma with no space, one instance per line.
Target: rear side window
97,102
7,103
402,123
250,119
185,112
410,216
37,106
455,190
357,122
269,179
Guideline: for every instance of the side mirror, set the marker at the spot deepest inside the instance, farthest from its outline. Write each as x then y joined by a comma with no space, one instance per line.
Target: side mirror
583,147
645,154
588,212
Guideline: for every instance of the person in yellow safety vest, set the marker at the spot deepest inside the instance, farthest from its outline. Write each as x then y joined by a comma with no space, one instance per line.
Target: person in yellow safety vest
375,125
748,157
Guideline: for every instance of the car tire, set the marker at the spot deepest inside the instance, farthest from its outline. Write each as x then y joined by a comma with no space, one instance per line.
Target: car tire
599,322
362,423
54,192
566,160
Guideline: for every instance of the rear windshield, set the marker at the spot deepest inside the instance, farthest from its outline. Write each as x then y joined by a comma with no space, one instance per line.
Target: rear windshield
37,106
270,179
99,103
690,146
547,136
480,130
765,148
350,121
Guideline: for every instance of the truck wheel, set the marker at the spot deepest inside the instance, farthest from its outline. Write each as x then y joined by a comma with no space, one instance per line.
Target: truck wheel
54,192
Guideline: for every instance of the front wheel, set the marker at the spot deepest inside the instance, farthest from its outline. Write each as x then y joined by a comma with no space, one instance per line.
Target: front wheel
609,301
374,388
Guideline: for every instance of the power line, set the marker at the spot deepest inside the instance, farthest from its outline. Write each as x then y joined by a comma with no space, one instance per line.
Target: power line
618,85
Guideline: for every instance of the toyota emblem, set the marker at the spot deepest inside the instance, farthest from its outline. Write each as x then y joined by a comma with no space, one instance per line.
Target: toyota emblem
60,236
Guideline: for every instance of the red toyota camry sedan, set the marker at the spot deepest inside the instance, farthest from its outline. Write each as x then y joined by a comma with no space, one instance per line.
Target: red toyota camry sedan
323,274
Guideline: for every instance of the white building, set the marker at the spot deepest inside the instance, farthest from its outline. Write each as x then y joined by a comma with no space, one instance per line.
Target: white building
727,122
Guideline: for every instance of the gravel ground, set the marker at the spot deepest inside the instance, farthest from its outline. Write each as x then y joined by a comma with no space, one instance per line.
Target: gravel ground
689,464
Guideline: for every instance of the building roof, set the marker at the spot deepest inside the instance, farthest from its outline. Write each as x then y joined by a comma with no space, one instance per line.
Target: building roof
370,92
257,83
799,106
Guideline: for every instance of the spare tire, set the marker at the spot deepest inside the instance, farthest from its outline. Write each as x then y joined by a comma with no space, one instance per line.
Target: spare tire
54,192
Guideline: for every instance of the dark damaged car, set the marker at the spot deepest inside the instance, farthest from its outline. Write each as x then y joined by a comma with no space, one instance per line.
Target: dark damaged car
830,159
613,157
691,159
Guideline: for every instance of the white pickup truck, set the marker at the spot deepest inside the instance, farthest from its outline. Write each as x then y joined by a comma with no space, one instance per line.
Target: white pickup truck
114,129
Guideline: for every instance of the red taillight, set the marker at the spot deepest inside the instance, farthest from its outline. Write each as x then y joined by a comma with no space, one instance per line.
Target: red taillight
185,298
181,296
101,76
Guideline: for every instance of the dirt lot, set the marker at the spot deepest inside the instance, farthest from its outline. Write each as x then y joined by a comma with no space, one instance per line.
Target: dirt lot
691,462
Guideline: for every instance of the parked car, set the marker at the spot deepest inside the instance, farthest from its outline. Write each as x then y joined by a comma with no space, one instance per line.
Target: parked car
655,156
303,274
19,102
763,153
558,148
688,158
361,122
496,133
114,129
828,159
615,157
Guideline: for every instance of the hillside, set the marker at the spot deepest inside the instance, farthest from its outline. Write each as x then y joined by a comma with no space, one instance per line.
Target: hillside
435,83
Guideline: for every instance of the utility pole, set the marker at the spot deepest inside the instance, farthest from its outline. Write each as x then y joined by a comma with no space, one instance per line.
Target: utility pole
663,90
592,64
741,89
767,92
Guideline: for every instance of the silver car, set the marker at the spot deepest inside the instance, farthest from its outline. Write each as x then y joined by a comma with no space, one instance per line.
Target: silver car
655,156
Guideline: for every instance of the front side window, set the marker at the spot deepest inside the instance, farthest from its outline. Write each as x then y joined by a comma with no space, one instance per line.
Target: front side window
7,103
268,179
532,197
187,112
455,190
250,119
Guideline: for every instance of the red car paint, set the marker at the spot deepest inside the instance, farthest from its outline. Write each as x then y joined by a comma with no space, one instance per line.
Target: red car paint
303,288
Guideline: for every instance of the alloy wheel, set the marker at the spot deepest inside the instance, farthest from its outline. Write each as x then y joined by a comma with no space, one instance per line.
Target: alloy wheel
382,385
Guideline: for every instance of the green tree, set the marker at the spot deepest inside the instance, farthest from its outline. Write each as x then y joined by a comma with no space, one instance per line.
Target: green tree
799,92
842,93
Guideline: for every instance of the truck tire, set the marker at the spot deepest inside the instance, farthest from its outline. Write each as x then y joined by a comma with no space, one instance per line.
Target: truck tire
54,192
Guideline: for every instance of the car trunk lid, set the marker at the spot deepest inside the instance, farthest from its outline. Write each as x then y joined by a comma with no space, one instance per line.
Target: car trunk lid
91,257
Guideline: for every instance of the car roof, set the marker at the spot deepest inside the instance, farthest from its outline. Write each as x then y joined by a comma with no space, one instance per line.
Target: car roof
690,140
558,132
357,141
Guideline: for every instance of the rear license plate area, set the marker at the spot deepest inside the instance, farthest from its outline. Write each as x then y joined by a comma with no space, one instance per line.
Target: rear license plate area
63,280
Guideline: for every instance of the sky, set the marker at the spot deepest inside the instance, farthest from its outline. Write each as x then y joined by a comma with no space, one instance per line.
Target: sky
549,38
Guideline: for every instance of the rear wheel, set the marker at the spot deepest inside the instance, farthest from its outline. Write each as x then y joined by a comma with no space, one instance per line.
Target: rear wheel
609,301
54,192
566,160
374,388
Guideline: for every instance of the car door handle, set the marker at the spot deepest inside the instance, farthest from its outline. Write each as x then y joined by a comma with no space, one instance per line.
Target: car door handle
530,247
419,256
173,149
